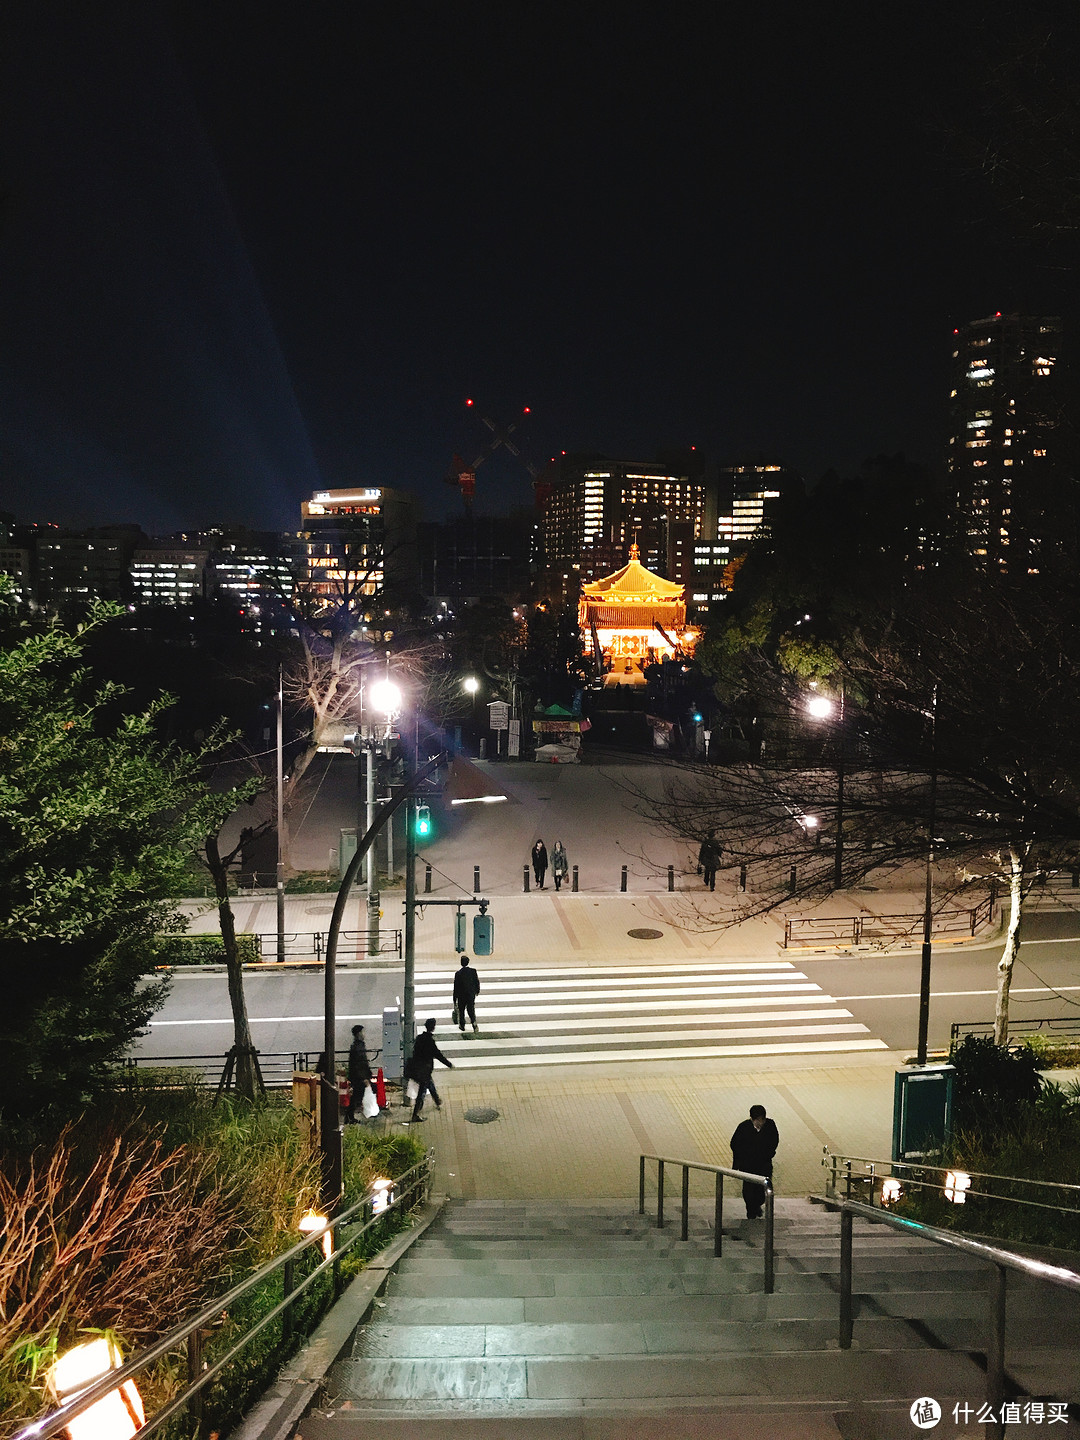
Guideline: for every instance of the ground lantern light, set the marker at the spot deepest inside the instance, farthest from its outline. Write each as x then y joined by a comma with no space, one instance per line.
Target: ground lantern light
116,1416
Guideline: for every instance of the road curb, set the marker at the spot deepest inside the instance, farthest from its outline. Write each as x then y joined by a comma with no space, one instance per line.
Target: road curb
278,1411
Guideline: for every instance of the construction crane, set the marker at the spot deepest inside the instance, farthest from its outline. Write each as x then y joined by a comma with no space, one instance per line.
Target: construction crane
464,476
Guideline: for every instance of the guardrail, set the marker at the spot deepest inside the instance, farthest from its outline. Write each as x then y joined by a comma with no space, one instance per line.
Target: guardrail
1002,1260
814,930
719,1171
1051,1025
206,1070
187,1336
841,1171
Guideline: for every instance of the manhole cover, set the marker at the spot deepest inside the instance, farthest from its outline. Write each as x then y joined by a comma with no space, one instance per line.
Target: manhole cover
645,934
481,1115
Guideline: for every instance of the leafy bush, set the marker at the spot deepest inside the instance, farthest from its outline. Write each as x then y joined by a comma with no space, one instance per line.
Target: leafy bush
150,1206
203,949
1054,1052
993,1083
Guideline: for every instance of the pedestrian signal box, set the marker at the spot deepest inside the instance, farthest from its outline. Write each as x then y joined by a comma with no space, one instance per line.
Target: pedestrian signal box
460,921
483,934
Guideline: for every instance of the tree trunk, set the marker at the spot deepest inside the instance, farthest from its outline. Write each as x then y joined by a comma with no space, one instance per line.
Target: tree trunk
1017,858
245,1073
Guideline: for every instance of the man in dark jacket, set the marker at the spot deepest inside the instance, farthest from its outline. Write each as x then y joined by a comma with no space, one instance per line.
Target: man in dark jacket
752,1149
424,1054
466,989
709,858
359,1072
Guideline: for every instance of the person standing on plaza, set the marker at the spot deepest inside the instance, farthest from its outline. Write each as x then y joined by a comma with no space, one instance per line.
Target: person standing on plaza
359,1073
708,859
560,866
422,1067
539,862
752,1149
466,989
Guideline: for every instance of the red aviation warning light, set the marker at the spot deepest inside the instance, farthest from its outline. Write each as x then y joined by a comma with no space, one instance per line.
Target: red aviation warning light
527,411
468,402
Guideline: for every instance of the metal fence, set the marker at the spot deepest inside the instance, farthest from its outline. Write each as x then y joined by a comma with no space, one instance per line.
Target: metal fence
1053,1027
206,1071
812,931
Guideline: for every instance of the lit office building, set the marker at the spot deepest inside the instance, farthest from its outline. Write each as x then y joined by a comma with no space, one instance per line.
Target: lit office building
359,543
167,576
1005,457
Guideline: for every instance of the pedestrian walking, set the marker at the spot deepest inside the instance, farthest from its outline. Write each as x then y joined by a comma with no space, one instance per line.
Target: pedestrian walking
539,862
752,1149
466,989
708,859
425,1053
560,866
359,1073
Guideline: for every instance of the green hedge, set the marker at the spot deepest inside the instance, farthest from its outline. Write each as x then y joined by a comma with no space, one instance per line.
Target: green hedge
203,949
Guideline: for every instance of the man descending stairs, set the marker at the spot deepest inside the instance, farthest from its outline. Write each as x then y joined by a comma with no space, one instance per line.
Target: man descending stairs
582,1321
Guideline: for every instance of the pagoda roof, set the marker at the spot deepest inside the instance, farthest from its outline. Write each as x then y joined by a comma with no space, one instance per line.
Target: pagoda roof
633,582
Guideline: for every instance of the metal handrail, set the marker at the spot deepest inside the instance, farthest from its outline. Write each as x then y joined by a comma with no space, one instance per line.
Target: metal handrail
719,1171
901,1170
1002,1260
188,1330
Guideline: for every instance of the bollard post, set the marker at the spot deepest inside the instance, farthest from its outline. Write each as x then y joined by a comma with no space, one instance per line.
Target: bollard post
573,881
685,1202
718,1216
427,879
641,1187
660,1194
671,877
476,879
622,881
525,878
742,877
845,1280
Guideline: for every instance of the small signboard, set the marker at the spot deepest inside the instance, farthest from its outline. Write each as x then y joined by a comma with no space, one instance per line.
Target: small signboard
499,715
514,747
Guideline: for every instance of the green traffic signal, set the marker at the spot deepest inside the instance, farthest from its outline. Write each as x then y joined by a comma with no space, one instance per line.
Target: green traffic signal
422,829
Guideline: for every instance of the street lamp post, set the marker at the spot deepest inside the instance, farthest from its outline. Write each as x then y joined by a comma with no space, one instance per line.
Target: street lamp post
928,901
384,698
821,707
471,685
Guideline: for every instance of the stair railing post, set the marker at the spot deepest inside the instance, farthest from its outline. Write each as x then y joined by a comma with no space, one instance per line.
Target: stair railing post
845,1280
995,1341
718,1215
671,877
641,1186
660,1194
288,1282
196,1406
770,1255
685,1202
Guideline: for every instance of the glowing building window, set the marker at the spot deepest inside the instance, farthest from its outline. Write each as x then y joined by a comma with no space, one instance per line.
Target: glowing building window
980,372
1038,452
975,444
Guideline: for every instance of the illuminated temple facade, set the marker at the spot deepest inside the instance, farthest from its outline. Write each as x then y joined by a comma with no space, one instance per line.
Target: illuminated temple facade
633,618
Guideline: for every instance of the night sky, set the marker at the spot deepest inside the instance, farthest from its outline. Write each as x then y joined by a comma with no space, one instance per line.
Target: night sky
248,249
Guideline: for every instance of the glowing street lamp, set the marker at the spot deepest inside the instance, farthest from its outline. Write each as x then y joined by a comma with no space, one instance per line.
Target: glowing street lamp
116,1416
385,697
819,706
471,684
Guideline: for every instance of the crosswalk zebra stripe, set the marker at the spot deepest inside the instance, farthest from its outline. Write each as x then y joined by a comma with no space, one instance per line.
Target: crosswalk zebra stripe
571,991
627,1023
702,1052
653,1037
596,973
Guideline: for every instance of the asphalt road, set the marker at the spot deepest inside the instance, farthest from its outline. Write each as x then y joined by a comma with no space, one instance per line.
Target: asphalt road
881,991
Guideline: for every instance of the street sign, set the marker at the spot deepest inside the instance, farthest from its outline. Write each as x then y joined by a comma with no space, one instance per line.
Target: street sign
460,922
514,744
499,715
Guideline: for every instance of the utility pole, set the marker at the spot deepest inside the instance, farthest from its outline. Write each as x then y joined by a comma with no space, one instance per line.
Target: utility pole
838,853
408,1009
373,901
280,878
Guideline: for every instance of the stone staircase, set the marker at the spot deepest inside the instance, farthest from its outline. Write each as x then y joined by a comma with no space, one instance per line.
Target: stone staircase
582,1321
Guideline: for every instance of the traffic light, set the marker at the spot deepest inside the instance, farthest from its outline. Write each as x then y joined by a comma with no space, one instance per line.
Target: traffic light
460,921
483,934
422,827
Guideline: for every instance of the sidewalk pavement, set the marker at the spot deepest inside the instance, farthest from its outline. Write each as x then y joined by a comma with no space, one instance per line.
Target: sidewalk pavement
579,1134
545,928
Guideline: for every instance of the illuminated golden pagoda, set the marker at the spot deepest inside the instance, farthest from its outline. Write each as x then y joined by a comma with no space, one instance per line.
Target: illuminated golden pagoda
634,618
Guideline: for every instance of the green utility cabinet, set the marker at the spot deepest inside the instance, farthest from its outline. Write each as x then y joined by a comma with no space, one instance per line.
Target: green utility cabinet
346,851
922,1110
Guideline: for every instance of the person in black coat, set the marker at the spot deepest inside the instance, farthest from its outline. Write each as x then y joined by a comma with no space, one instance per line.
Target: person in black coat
359,1072
752,1149
709,858
466,989
424,1054
539,862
